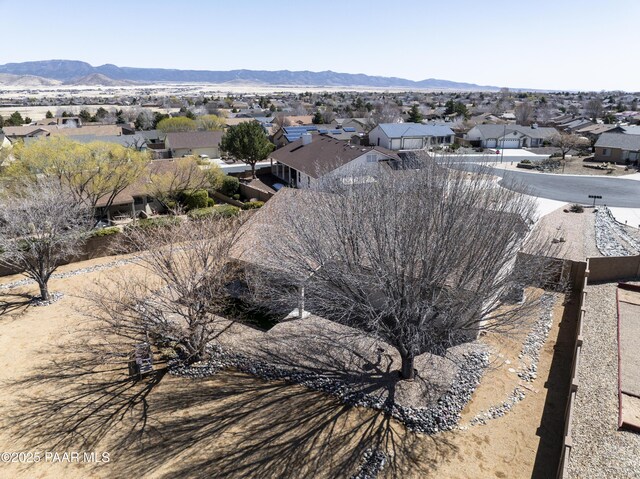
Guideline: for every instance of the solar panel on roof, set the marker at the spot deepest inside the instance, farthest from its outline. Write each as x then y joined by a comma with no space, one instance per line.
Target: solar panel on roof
323,131
349,129
336,132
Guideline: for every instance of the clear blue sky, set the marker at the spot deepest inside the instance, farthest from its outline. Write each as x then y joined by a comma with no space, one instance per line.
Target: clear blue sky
547,44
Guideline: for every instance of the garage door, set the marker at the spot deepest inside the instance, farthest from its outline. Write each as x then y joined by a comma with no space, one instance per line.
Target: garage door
510,143
491,143
412,143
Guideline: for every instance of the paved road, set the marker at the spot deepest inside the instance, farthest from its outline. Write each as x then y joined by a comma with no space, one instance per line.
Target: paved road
572,189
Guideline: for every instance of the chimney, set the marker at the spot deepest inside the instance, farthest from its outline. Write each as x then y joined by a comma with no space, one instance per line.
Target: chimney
306,138
534,126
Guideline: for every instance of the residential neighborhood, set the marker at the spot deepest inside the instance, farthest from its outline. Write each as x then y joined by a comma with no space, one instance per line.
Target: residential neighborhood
392,253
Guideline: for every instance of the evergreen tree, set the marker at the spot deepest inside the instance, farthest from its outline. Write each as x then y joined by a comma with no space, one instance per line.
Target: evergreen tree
414,115
248,143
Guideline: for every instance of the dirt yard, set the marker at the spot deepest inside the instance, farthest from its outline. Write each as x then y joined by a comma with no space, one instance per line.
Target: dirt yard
232,425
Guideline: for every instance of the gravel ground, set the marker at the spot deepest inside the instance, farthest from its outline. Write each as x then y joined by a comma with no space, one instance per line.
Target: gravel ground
599,449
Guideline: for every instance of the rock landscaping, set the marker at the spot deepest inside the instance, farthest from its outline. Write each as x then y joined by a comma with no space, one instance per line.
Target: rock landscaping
442,416
529,357
69,274
373,462
53,297
611,237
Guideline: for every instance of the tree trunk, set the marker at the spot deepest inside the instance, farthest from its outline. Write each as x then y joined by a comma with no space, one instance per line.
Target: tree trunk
408,370
44,292
253,171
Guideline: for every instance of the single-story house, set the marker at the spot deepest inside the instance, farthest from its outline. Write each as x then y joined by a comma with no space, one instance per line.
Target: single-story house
410,136
135,198
509,136
194,143
301,163
618,148
30,131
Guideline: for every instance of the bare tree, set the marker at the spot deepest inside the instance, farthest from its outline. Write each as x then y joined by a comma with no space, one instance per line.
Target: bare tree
543,114
40,229
384,112
168,178
420,259
566,142
183,288
594,108
523,113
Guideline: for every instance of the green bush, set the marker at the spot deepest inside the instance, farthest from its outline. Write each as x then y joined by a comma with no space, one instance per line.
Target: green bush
210,202
194,199
576,208
225,211
252,205
151,223
229,185
111,230
236,197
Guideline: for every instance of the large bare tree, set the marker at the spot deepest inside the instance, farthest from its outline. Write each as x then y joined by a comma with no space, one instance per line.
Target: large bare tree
40,229
523,113
180,289
565,142
419,258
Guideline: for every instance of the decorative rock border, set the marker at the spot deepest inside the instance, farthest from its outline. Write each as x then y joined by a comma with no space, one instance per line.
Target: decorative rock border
69,274
608,232
442,416
531,347
53,297
373,462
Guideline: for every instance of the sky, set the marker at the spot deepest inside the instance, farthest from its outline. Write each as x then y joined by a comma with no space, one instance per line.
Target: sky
584,45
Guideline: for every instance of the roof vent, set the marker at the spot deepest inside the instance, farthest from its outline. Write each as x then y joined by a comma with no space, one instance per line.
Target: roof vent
306,138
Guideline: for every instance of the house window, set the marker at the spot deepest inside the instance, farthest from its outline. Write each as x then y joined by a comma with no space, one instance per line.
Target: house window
138,200
372,158
606,152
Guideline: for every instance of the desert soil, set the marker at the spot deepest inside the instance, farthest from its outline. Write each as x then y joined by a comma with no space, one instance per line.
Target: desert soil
234,425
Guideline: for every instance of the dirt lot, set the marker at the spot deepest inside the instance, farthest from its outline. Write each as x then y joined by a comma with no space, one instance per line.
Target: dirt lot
232,425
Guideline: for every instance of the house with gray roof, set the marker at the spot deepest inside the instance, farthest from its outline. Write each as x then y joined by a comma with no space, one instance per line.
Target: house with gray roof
410,136
509,136
618,148
196,143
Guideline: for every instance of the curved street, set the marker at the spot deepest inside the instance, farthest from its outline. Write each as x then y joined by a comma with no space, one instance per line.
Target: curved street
619,191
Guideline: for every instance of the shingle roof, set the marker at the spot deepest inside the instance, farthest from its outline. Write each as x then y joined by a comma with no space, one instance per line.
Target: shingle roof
193,139
322,155
497,131
400,130
619,140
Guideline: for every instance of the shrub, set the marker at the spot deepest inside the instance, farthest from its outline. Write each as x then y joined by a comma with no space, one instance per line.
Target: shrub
252,205
225,211
194,199
576,208
236,197
210,202
111,230
229,185
526,162
151,223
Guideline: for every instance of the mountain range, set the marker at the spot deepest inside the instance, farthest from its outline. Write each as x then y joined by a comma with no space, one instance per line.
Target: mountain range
73,72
